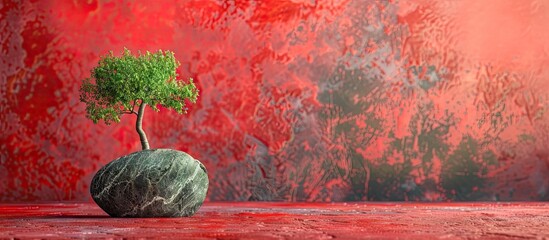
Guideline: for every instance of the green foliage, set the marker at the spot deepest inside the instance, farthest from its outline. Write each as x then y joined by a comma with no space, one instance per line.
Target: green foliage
119,84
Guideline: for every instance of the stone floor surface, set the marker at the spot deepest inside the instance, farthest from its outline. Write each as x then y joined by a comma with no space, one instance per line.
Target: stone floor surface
259,220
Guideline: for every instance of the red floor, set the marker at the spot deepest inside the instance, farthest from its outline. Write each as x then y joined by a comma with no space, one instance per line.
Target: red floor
288,221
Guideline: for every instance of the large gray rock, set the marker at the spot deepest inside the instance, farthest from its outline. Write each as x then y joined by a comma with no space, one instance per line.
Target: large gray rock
151,183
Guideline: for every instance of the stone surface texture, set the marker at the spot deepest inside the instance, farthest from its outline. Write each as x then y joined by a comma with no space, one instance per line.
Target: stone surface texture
286,221
151,183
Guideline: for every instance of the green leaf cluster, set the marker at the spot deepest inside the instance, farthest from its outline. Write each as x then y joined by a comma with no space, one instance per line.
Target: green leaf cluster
118,85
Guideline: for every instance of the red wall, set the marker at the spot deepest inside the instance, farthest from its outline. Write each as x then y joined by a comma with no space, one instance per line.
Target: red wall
300,101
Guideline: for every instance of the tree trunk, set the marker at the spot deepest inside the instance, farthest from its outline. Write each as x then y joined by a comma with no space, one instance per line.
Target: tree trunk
139,128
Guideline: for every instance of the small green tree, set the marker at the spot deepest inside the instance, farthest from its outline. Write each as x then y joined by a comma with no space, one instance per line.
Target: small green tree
120,84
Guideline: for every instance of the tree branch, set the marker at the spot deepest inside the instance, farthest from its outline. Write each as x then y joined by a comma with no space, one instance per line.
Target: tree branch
133,107
129,112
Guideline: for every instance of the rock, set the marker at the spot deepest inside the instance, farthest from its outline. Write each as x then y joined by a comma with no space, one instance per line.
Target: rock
151,183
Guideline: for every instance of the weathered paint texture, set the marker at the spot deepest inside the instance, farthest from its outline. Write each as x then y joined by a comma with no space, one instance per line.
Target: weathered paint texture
300,100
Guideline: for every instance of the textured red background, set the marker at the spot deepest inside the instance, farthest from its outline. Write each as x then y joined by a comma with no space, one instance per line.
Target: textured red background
300,100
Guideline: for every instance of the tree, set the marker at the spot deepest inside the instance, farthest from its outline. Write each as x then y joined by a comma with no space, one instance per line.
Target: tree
120,84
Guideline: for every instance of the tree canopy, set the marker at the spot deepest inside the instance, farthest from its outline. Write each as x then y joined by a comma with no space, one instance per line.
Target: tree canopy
119,84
